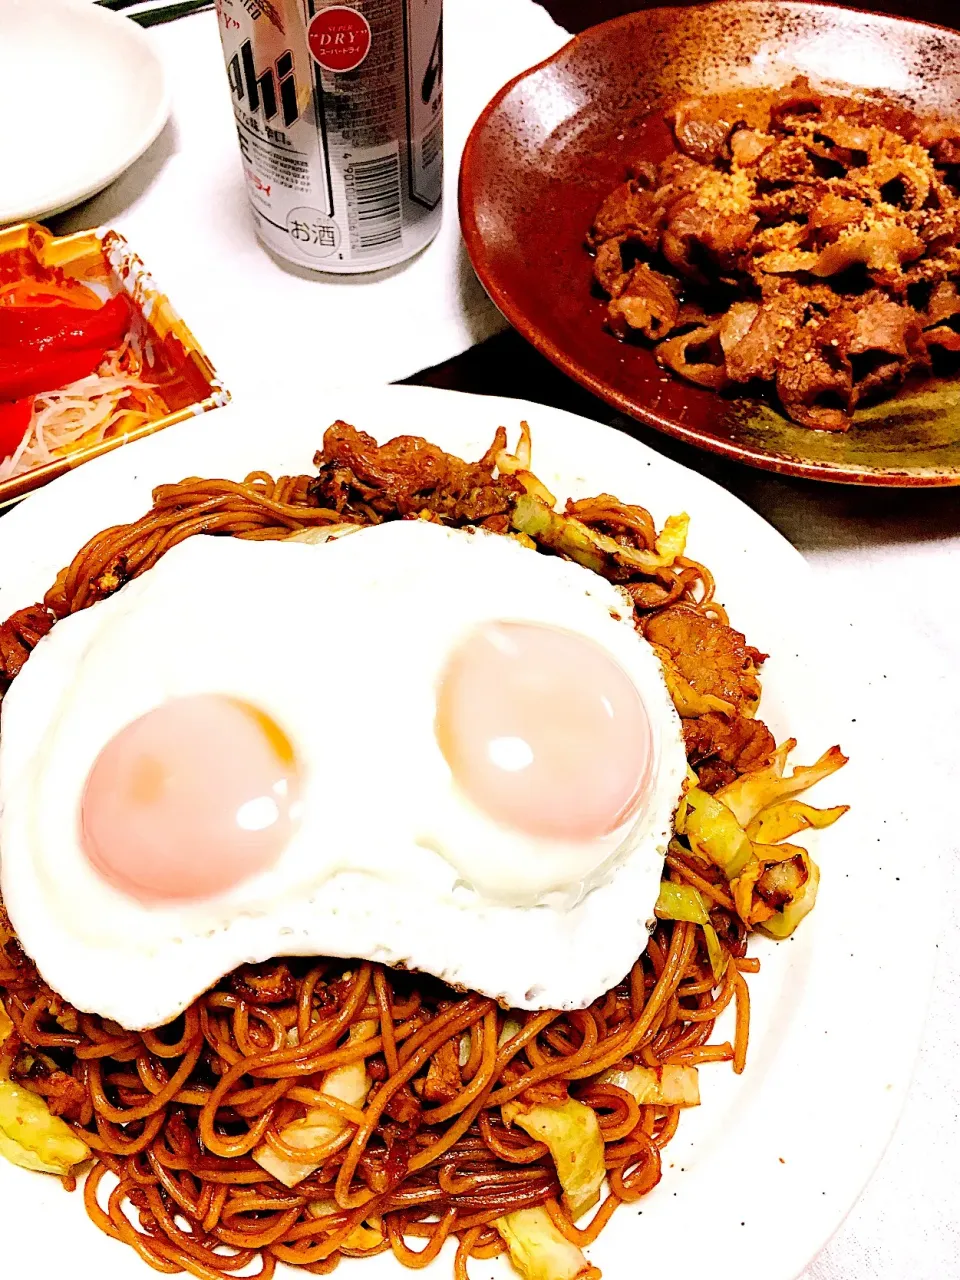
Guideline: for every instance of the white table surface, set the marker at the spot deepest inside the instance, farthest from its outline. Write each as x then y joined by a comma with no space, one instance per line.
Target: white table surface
895,554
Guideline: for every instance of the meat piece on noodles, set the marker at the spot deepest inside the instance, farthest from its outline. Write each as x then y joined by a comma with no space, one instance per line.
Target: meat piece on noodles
729,745
712,656
406,476
19,635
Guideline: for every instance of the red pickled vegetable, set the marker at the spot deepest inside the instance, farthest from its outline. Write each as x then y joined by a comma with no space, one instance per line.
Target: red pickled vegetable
15,418
73,328
47,371
44,348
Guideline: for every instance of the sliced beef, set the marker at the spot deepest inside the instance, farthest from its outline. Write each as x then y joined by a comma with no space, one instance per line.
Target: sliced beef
630,209
696,355
697,233
700,133
19,636
722,747
815,377
406,476
748,145
645,302
713,657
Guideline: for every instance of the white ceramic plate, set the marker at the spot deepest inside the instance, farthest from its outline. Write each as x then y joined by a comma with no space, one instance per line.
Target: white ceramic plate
82,95
763,1172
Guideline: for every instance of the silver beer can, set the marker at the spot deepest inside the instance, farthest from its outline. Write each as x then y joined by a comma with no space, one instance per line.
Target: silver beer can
339,113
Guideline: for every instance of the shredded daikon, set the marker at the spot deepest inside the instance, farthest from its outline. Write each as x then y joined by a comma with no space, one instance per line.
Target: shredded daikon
85,413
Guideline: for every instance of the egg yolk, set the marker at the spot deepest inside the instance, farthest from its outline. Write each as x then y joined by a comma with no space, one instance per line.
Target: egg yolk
191,799
544,731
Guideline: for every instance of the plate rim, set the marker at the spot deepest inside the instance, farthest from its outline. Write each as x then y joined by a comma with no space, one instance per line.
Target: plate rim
131,31
468,202
175,443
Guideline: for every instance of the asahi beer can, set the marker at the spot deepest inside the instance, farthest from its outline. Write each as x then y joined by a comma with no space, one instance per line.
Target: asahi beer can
339,112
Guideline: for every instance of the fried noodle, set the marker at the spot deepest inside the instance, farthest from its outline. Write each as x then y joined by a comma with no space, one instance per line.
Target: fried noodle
173,1115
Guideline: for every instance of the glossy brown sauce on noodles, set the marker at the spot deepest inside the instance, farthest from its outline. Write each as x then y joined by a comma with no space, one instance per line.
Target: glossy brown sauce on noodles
173,1115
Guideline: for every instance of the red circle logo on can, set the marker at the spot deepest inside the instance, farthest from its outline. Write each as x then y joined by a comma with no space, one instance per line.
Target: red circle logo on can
339,38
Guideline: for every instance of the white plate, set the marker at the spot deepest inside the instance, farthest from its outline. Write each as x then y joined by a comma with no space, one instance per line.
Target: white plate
82,95
763,1172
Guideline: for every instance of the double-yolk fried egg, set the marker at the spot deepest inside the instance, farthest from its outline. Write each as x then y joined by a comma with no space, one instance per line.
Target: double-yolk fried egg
412,744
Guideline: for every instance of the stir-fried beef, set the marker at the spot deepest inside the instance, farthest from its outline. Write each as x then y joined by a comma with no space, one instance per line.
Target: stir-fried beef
796,225
407,476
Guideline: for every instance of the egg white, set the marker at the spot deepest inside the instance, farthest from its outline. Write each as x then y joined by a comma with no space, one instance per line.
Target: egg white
343,645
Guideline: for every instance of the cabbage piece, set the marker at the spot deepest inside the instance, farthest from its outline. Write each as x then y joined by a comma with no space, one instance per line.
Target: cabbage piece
518,464
536,488
681,902
572,1135
539,1251
6,1030
349,1084
317,534
753,792
680,817
511,1027
33,1138
594,550
715,832
782,923
368,1235
780,821
684,902
777,889
669,1086
522,457
540,522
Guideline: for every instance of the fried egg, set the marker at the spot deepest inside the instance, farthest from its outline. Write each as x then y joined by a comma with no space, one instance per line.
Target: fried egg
416,745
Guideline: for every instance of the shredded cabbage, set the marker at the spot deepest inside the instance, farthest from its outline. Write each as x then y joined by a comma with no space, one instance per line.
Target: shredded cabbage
349,1084
518,464
751,793
684,902
320,533
512,1026
783,870
594,550
6,1030
780,821
787,871
669,1086
33,1138
715,832
572,1135
539,1251
782,923
741,827
368,1235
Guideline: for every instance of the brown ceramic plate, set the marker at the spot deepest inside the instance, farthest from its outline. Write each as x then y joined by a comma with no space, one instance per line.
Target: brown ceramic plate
555,141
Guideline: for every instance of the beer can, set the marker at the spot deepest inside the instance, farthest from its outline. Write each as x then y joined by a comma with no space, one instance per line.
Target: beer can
339,114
